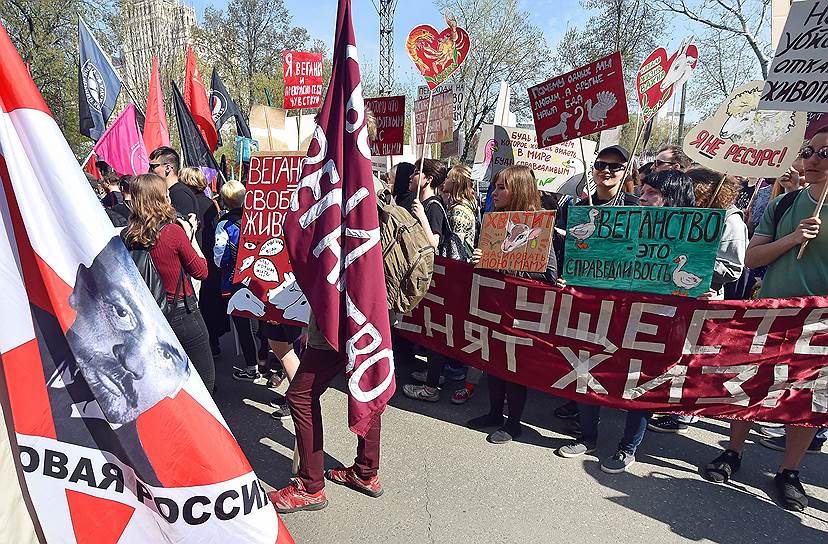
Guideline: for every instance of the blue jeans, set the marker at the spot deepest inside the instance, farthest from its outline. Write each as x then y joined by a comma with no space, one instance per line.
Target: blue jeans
634,428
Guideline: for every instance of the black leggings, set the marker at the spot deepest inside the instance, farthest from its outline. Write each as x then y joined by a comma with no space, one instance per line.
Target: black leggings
191,331
501,390
244,330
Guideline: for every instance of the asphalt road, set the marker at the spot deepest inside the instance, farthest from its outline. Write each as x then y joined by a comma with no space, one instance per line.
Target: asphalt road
444,483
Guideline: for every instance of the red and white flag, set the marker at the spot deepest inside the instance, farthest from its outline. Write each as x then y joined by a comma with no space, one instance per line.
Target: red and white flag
156,133
195,96
114,434
333,237
122,147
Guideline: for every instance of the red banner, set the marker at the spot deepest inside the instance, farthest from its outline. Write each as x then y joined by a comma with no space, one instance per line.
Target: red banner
270,291
756,360
389,113
583,101
303,79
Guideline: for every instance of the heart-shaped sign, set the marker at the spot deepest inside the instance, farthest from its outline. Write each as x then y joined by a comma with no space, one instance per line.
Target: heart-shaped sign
437,54
651,94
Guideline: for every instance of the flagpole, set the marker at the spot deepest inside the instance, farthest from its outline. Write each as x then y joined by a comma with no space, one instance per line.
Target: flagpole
86,160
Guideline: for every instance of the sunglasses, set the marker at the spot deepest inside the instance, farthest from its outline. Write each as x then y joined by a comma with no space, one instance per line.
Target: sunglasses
611,166
808,152
659,163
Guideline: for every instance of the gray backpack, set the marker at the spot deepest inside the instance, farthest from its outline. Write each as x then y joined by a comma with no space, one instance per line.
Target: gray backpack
408,257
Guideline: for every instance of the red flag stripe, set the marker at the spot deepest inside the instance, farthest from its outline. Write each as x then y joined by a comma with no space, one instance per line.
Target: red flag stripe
17,90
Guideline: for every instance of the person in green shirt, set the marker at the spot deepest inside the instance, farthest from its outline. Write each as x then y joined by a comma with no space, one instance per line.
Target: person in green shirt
776,246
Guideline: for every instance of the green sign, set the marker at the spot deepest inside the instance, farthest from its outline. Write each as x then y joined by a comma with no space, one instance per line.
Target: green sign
670,251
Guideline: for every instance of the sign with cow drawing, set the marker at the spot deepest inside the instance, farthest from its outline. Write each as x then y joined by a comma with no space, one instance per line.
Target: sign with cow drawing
516,240
583,101
669,251
743,140
266,288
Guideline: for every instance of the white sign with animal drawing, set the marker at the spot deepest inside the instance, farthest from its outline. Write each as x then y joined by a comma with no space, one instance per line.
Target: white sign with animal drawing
798,76
265,286
742,140
584,101
516,240
557,168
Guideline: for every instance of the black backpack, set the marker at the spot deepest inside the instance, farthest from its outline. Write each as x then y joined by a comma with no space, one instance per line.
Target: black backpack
784,205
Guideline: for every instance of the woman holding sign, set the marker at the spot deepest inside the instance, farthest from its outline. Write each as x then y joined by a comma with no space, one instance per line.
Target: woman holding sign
515,190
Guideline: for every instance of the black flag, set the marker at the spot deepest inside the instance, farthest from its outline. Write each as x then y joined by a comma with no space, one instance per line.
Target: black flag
193,146
223,107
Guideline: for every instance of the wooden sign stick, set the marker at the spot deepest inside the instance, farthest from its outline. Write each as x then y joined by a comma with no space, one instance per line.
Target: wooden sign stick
425,136
816,213
584,179
716,192
749,209
640,132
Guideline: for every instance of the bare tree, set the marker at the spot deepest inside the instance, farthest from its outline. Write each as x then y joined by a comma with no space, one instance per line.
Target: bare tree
745,19
505,46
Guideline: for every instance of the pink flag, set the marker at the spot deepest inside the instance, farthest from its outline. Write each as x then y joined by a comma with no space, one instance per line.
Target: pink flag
333,238
122,147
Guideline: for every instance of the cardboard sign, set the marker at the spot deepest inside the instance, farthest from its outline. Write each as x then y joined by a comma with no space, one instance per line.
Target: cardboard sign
441,120
303,79
516,240
389,113
670,251
459,91
745,141
437,54
269,291
659,76
583,101
558,168
798,76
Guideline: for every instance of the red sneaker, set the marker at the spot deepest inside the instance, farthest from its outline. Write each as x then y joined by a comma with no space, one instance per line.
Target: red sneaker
294,498
349,478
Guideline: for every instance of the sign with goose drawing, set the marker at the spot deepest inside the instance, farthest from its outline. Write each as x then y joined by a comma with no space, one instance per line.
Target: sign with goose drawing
669,251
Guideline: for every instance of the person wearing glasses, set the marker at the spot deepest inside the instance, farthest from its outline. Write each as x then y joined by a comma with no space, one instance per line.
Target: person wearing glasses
165,162
776,245
671,157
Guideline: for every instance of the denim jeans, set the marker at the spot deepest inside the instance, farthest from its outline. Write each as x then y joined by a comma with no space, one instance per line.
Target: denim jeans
634,429
191,331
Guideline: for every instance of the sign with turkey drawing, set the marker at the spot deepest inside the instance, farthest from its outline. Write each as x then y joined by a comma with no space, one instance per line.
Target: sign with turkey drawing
583,101
265,286
669,251
516,240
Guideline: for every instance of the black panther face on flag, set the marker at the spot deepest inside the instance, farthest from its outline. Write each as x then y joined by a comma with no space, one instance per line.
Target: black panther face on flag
224,107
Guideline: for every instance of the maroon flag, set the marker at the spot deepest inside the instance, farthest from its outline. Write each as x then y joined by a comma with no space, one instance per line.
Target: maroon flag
333,238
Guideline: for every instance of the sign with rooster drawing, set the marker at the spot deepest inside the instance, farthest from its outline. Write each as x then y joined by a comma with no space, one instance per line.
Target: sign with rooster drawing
583,101
516,240
669,251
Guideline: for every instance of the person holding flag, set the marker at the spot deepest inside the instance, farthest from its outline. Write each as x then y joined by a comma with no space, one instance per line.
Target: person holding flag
333,238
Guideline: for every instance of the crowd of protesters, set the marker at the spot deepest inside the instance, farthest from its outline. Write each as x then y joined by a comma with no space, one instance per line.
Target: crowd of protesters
193,236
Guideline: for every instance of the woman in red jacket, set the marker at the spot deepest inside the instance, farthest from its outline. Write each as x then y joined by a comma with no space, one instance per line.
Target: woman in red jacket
177,256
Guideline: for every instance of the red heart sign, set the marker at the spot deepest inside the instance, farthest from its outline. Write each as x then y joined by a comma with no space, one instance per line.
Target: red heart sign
437,55
651,95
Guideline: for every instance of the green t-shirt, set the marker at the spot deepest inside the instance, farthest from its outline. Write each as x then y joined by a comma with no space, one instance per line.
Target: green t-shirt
787,277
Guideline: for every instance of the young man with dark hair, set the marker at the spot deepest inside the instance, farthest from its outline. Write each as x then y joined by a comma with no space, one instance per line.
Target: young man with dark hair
671,157
113,195
776,244
165,162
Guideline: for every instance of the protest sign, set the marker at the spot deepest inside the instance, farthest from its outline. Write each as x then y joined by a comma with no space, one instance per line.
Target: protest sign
516,240
758,360
658,77
440,120
742,140
816,122
437,54
303,79
797,78
583,101
557,168
670,251
267,289
458,90
389,113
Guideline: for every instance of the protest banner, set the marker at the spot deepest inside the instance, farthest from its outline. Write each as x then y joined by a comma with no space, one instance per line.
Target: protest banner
303,79
267,289
743,140
592,97
758,360
389,114
797,77
516,240
557,168
437,54
440,117
669,251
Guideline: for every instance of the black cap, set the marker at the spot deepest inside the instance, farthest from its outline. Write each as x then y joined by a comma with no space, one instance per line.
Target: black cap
620,149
